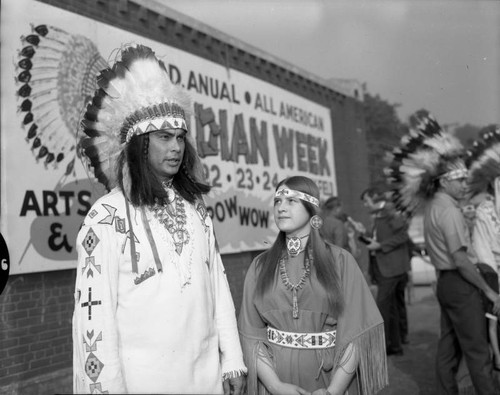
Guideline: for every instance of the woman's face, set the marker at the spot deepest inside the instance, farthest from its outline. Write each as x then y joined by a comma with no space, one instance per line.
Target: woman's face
291,215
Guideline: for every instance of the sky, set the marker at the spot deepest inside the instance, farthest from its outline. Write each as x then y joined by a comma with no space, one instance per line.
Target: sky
441,55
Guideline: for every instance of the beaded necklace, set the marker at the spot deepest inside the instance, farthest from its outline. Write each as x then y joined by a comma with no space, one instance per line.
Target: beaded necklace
172,215
295,287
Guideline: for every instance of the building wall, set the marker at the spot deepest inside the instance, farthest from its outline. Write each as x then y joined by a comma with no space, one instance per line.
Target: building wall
35,332
36,309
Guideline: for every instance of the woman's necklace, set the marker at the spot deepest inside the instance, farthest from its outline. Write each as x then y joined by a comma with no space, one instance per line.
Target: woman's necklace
294,244
172,215
294,287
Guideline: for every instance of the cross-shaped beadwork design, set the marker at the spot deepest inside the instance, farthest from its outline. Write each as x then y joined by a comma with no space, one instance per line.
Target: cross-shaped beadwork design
90,303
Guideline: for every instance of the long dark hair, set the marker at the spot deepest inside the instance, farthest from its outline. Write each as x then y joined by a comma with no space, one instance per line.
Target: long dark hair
327,270
145,185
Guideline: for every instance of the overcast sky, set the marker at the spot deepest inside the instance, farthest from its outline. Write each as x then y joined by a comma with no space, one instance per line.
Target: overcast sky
440,55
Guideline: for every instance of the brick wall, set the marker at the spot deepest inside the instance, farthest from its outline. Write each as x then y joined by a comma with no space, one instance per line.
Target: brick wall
35,332
36,309
236,266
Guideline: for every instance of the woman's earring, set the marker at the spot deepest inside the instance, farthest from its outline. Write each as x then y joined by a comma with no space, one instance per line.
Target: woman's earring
316,222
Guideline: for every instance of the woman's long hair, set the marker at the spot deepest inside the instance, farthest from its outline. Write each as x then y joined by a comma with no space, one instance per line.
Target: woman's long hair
146,187
327,270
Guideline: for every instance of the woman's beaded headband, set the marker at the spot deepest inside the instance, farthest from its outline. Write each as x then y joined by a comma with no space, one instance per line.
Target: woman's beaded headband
298,194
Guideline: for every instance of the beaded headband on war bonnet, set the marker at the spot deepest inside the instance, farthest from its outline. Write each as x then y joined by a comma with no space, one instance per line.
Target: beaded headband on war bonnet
460,172
135,96
156,117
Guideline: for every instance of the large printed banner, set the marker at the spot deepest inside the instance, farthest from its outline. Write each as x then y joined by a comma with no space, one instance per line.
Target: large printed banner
249,134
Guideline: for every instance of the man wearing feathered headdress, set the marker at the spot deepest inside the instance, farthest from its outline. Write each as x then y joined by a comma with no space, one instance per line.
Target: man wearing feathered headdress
484,188
153,309
484,183
429,168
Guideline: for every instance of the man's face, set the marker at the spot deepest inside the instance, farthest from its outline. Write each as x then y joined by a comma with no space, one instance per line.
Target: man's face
166,150
337,211
369,203
455,188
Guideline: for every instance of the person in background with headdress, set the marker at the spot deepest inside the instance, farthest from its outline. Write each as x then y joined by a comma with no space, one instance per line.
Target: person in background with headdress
308,321
153,310
484,187
429,169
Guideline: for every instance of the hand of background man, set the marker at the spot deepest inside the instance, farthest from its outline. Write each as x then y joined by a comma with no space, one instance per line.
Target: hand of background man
235,385
358,226
373,246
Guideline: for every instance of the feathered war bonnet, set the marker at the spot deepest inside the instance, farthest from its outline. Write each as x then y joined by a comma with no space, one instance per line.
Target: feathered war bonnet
426,154
483,160
134,96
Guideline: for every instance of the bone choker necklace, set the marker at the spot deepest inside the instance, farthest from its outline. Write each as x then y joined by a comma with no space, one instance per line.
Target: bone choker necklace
294,245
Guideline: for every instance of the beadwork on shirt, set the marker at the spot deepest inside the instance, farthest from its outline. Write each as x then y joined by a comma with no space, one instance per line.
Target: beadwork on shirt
90,303
120,225
90,241
144,276
128,233
91,346
89,263
93,366
108,220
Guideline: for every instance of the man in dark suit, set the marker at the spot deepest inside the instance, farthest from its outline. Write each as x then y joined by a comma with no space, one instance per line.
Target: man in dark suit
333,229
389,263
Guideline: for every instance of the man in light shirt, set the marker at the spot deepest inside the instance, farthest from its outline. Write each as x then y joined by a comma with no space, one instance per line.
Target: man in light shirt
463,327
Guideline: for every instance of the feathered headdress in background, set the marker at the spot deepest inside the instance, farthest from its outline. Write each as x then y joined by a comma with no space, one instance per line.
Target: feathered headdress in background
483,160
135,96
426,154
56,75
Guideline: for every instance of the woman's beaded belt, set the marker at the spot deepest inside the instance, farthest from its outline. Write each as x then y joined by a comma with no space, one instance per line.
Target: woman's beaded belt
302,340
